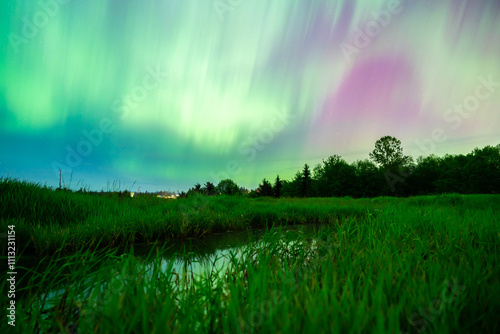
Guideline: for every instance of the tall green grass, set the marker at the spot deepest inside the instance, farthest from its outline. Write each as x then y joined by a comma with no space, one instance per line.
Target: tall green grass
422,265
384,265
49,220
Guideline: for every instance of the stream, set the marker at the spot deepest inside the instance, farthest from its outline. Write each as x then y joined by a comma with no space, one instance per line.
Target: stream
184,261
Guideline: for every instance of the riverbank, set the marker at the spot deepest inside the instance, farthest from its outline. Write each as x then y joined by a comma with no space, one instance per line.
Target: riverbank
49,220
402,271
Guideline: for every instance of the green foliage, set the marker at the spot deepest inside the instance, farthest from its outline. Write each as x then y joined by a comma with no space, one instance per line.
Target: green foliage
41,205
426,264
292,188
265,188
277,187
305,182
71,221
398,175
209,188
388,153
368,180
476,172
334,178
228,187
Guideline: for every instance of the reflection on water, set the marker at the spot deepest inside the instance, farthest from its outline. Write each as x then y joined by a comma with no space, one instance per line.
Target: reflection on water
202,257
182,262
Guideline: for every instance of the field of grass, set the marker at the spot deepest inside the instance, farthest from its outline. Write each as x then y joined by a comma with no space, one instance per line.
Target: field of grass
385,265
48,220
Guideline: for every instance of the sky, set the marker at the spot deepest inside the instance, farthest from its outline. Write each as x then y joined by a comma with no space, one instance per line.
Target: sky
162,94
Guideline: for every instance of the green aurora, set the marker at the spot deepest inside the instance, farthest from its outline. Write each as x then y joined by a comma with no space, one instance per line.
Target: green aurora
169,93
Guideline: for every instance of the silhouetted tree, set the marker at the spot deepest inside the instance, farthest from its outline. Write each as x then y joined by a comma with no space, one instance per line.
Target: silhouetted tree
287,189
428,171
292,188
265,188
453,176
277,187
228,187
335,177
388,153
482,169
317,186
368,180
476,172
209,188
305,189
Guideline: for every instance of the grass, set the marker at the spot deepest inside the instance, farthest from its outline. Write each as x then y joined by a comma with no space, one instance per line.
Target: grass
49,220
385,265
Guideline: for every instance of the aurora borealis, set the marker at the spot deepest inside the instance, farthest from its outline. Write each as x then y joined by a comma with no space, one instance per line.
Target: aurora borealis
173,92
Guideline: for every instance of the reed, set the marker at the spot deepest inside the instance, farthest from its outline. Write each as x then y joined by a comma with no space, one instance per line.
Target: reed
50,220
385,265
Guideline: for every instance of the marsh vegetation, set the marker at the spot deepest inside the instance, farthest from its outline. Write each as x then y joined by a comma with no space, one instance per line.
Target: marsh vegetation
382,265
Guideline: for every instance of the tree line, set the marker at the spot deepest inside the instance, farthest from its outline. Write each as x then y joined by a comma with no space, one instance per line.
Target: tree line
387,172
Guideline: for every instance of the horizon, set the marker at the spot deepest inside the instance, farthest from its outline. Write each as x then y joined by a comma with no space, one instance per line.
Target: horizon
118,185
167,94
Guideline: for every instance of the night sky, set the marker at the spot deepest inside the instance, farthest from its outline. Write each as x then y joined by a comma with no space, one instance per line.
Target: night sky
173,92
